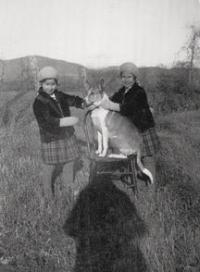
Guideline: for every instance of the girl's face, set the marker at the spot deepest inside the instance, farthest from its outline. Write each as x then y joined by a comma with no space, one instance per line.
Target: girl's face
49,85
127,79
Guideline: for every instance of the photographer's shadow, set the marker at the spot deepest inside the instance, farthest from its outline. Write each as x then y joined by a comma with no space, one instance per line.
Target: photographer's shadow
107,230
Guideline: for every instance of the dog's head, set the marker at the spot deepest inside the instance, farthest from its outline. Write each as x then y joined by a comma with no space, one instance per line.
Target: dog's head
95,94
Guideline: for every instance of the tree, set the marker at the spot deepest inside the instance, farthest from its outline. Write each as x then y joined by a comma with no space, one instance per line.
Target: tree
192,51
29,73
2,71
33,70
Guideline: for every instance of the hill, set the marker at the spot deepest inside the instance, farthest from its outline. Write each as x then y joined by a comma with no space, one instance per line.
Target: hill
16,72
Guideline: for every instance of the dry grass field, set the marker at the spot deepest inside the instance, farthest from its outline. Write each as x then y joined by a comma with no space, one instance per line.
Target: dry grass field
164,218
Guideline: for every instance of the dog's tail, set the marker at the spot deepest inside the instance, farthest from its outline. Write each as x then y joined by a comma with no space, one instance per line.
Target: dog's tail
144,170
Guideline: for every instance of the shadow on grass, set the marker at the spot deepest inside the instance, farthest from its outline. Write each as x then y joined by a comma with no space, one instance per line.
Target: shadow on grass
107,229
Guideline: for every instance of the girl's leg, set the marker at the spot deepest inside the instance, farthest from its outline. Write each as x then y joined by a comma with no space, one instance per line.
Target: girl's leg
46,178
68,174
50,174
67,182
55,174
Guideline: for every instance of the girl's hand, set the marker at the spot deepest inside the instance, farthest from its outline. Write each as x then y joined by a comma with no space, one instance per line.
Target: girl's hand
91,107
68,121
107,104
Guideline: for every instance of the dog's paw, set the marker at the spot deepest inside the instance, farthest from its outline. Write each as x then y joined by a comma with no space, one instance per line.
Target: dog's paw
102,155
117,156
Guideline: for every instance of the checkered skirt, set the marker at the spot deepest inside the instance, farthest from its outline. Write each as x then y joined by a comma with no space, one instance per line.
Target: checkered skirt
151,142
60,151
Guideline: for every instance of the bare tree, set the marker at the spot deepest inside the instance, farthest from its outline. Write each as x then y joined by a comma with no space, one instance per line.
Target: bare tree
34,70
192,50
2,71
24,74
29,73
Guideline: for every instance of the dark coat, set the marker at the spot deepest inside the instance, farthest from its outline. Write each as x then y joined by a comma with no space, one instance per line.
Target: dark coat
48,113
134,105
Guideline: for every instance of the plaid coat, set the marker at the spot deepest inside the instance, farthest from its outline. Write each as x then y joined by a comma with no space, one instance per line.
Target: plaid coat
58,144
151,142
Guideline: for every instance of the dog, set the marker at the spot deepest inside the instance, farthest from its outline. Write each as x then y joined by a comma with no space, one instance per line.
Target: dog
114,130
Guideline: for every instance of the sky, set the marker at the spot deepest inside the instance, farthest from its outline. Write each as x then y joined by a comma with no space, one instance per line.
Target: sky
97,33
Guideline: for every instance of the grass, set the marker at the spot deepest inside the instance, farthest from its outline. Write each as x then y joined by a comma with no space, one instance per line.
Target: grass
31,230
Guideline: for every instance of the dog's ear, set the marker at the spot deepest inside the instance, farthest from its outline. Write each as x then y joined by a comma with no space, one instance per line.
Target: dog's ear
101,85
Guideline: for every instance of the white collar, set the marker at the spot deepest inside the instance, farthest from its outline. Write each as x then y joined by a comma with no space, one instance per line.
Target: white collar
53,96
128,89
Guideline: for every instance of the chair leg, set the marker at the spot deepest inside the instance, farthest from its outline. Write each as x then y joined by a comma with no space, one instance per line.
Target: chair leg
93,169
133,175
123,176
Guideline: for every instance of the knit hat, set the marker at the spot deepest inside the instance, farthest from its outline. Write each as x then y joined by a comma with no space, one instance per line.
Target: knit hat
129,67
47,72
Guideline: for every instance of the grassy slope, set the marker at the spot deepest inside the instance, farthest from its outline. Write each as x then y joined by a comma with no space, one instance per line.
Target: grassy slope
173,244
32,234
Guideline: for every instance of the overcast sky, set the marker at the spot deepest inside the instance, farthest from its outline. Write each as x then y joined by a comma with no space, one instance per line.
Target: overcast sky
97,32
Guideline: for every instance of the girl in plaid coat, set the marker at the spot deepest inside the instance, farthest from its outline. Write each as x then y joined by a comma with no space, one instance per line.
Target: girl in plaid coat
131,101
59,148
